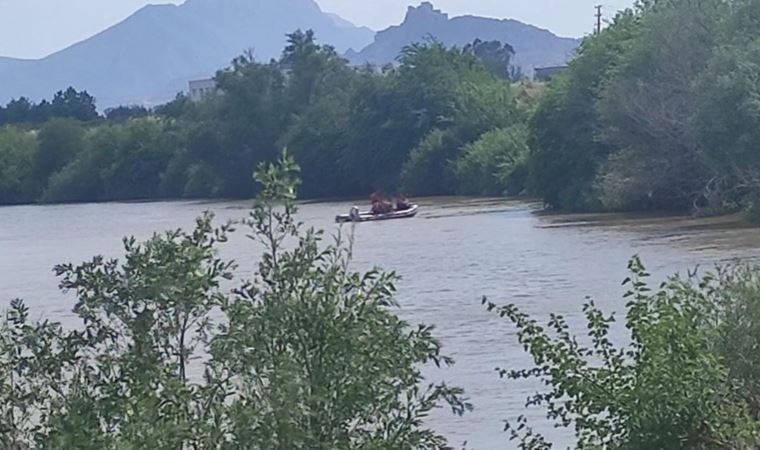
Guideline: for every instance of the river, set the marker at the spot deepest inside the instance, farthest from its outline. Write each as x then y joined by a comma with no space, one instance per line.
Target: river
456,251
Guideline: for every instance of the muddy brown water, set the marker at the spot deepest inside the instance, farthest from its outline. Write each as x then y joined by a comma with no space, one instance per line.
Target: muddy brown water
455,252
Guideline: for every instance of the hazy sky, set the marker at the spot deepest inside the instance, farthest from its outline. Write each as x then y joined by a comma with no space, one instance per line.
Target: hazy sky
35,28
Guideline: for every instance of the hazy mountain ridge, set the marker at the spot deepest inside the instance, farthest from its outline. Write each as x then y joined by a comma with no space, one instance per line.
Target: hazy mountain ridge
151,55
535,47
12,63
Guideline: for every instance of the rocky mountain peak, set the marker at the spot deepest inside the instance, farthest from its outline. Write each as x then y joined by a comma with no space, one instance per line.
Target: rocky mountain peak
425,13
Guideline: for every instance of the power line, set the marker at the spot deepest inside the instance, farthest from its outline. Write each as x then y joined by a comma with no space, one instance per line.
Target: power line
598,18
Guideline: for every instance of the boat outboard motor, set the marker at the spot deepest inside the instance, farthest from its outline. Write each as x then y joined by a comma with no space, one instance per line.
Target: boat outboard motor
354,214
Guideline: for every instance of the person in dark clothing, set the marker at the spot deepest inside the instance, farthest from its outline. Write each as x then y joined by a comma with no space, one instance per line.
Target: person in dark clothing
402,203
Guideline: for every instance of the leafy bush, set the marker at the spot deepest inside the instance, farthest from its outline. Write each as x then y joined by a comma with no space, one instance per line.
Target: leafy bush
683,382
427,171
17,148
118,161
565,147
59,141
495,163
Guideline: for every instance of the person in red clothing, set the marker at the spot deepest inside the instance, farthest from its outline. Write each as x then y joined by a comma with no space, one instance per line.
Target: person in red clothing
380,205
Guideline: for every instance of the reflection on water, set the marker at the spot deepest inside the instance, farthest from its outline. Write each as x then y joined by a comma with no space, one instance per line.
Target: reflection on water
456,251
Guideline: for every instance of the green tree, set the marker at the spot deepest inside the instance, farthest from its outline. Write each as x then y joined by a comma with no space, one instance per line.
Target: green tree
725,122
18,111
434,88
82,179
59,141
141,156
427,170
647,104
17,148
249,117
565,150
734,292
319,91
494,164
33,358
118,161
145,320
495,56
74,105
125,113
670,387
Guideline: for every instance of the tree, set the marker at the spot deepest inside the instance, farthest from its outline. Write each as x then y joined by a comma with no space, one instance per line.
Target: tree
495,56
145,321
428,171
669,387
647,104
17,148
434,88
33,359
140,157
248,118
319,91
738,312
82,179
59,141
494,164
725,122
565,150
18,111
75,105
176,108
125,113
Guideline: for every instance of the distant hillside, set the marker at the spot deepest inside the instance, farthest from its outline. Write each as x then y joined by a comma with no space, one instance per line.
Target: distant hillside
151,55
534,47
12,63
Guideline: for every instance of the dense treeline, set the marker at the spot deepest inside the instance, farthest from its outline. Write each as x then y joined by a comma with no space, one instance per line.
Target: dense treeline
443,121
65,104
659,111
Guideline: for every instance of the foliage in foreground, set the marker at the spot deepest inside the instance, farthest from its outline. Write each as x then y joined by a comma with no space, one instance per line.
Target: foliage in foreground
307,354
688,378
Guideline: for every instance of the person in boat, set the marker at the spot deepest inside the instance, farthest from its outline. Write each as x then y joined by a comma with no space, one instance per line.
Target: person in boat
402,203
354,214
380,205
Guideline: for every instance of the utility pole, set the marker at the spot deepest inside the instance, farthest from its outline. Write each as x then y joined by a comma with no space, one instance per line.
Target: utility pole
598,18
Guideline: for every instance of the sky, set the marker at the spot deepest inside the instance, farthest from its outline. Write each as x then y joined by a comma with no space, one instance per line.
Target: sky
36,28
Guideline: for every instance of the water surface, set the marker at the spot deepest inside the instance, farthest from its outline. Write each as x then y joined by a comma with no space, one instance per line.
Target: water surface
456,251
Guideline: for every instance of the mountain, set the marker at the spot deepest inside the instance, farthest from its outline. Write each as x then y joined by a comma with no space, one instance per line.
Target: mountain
151,55
11,63
534,46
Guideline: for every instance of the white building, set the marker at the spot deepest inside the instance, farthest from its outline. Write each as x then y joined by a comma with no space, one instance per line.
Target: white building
201,88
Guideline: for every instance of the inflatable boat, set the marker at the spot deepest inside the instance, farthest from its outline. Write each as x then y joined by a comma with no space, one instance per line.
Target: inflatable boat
369,217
